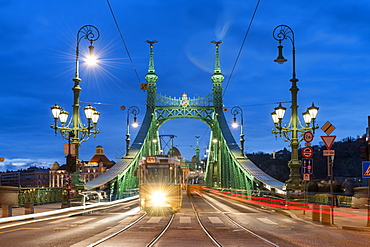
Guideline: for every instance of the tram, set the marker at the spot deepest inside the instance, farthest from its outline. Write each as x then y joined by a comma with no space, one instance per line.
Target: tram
160,184
195,182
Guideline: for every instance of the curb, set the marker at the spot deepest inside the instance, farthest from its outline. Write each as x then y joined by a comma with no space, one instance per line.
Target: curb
356,228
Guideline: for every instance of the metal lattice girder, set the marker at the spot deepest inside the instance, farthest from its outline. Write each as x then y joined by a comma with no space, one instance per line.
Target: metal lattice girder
203,113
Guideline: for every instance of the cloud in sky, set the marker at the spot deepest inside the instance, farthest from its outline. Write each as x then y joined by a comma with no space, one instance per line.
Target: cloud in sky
19,164
38,41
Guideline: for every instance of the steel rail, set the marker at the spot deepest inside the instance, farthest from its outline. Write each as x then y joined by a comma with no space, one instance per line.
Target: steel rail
240,226
203,227
118,232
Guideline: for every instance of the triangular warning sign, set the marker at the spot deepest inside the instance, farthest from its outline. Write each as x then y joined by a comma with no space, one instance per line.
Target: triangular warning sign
328,140
367,173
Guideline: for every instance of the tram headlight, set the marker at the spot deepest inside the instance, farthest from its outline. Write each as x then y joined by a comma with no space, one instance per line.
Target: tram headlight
158,198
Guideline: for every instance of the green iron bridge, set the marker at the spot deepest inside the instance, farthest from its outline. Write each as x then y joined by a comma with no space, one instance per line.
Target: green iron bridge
227,166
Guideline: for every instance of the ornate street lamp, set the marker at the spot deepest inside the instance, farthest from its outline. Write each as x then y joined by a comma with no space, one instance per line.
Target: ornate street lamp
292,132
81,131
75,129
135,111
235,111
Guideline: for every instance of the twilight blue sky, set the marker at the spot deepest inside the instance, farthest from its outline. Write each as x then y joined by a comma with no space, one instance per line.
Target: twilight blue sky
38,40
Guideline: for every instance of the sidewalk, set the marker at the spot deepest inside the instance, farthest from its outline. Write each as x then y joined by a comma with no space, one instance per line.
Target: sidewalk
37,209
344,218
55,208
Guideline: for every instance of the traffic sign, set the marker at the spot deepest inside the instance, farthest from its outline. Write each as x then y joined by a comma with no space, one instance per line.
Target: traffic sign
143,86
70,149
366,169
307,152
328,152
328,128
328,140
1,159
307,166
306,177
308,136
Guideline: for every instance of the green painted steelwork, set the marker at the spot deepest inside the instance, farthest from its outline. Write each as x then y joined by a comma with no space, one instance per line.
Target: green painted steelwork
227,167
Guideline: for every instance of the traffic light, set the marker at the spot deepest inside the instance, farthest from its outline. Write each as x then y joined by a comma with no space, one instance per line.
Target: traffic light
71,163
68,182
364,152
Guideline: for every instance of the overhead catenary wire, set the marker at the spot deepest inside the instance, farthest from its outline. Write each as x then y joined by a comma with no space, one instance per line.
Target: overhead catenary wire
241,47
123,41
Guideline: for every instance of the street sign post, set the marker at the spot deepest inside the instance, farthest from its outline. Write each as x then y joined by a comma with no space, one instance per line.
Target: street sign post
366,169
328,128
307,152
307,166
308,136
328,152
328,141
306,177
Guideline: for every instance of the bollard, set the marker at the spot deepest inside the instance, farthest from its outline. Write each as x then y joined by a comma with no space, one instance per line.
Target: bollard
325,215
7,210
315,212
29,208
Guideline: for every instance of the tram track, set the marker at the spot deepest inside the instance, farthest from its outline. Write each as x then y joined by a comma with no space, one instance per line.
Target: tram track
219,242
156,231
138,223
240,226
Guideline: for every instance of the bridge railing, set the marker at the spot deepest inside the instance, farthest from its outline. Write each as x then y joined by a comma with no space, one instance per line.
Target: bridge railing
40,195
162,100
266,198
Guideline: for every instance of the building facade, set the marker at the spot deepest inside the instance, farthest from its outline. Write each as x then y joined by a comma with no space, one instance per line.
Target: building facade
96,166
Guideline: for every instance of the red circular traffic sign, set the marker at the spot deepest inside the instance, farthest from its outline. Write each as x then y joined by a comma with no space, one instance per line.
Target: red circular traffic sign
308,136
307,152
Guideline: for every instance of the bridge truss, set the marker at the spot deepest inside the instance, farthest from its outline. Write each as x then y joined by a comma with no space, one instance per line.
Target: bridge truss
226,168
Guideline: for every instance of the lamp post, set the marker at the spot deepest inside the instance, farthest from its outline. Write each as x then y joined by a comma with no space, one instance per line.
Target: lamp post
75,129
235,111
132,110
292,132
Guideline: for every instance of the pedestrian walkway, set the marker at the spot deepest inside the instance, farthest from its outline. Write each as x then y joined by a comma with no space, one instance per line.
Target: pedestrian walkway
341,217
37,209
55,208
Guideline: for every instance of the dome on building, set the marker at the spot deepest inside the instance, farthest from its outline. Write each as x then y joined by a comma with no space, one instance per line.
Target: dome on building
194,159
54,166
100,157
174,152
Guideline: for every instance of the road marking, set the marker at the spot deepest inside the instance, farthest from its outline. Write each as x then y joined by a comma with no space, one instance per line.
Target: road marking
18,229
267,221
154,220
59,221
215,220
185,220
84,220
103,221
289,221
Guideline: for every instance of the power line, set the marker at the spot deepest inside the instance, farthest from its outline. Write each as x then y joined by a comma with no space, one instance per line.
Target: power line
124,43
272,103
241,47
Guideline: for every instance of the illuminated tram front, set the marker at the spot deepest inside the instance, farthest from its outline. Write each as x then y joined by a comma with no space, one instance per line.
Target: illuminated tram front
160,184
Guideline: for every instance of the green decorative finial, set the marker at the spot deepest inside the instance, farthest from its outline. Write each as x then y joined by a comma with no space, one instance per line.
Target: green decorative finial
217,69
151,59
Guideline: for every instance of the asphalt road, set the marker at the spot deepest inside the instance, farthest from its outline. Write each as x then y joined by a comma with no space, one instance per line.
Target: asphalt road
257,227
